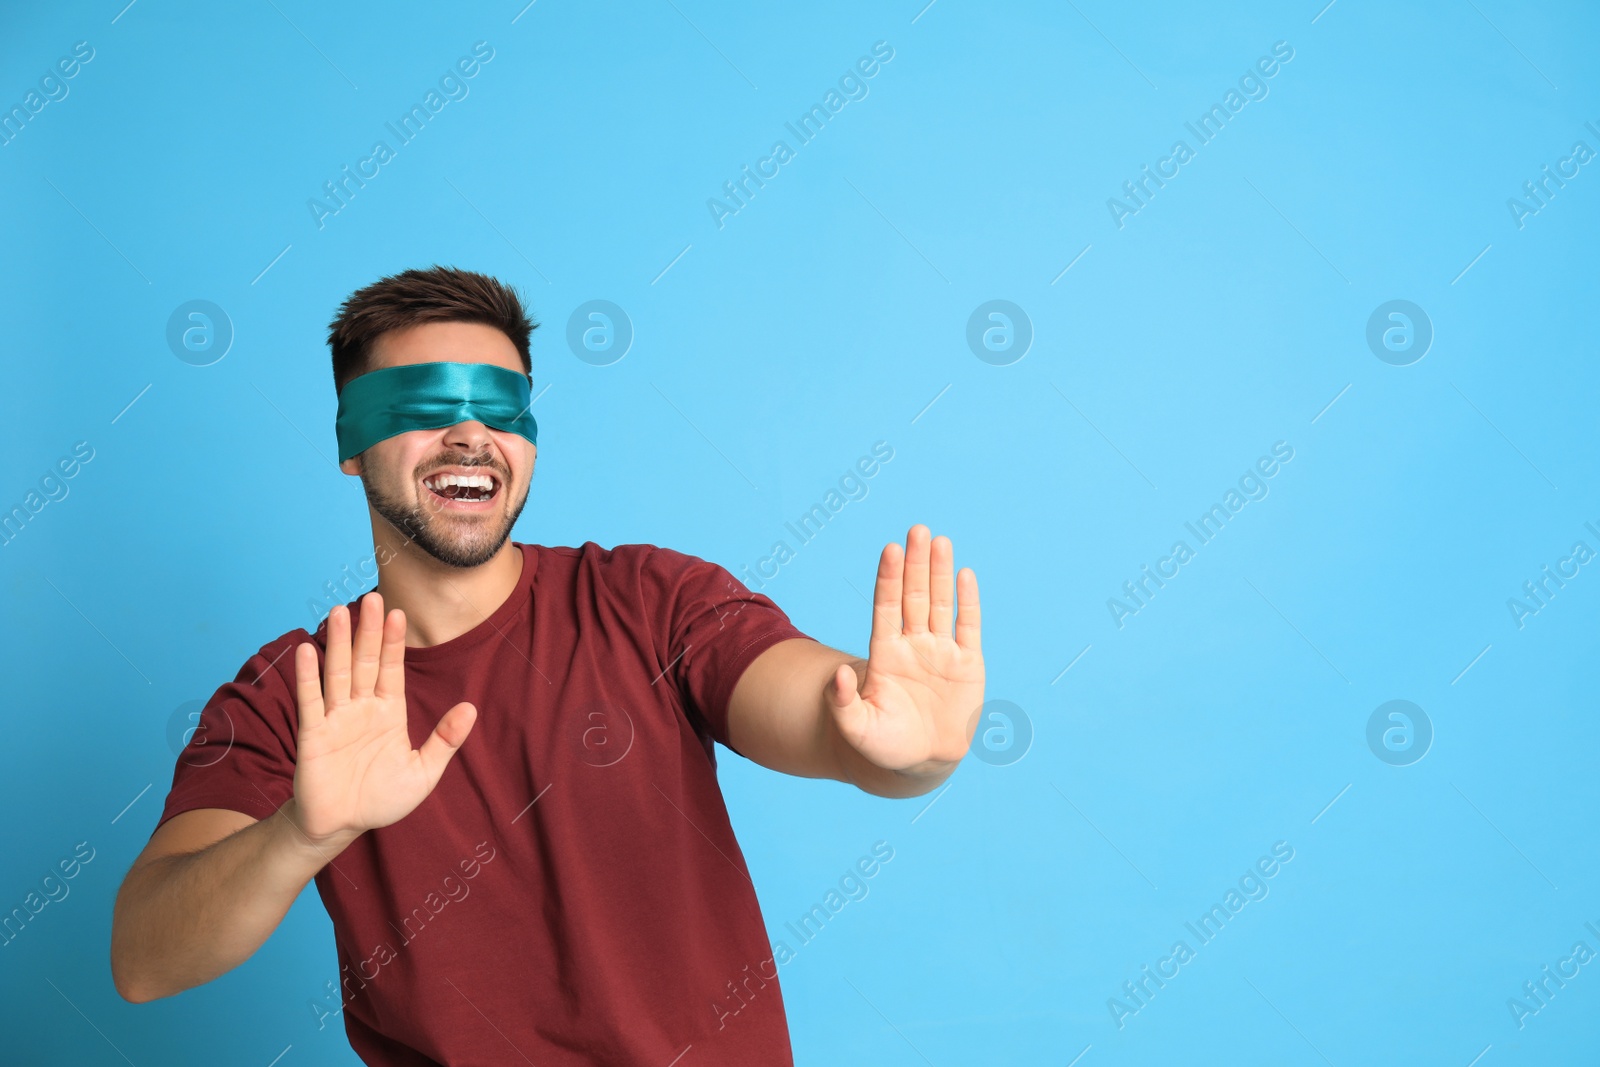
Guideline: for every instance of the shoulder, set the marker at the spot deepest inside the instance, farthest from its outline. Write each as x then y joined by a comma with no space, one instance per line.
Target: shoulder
272,665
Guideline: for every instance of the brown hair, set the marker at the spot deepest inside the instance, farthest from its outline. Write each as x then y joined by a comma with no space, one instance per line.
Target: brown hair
438,294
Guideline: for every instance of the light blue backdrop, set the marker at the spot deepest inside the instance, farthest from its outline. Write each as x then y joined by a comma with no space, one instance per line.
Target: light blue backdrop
1228,313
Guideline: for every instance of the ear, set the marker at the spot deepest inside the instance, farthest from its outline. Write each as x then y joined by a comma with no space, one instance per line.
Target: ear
351,465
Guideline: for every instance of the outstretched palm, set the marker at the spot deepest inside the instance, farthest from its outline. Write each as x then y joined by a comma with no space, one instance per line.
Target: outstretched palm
919,704
356,769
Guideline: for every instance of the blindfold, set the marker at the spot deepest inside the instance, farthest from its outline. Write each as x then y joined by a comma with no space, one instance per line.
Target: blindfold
428,396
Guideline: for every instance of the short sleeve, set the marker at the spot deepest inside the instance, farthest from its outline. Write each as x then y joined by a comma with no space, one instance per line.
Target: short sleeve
241,755
712,627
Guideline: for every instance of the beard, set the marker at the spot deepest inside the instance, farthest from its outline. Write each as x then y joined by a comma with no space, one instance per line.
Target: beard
455,540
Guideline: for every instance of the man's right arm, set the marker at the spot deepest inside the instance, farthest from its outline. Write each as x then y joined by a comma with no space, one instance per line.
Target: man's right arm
207,891
212,884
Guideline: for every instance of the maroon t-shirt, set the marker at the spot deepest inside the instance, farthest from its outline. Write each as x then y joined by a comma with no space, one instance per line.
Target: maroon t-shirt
571,892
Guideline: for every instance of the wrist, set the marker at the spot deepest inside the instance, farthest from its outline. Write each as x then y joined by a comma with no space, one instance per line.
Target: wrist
325,846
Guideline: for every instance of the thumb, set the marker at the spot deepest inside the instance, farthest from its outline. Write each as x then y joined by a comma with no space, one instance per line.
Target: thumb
446,739
850,712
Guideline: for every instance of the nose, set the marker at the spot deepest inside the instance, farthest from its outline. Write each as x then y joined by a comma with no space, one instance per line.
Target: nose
470,436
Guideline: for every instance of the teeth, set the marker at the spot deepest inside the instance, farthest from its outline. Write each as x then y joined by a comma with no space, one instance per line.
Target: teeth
476,481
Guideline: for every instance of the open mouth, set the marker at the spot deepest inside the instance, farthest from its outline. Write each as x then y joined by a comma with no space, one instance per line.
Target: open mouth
465,491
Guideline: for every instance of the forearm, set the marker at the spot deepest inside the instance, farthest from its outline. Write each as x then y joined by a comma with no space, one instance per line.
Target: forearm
180,921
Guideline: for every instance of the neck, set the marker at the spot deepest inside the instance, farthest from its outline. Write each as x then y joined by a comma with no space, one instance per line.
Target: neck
441,602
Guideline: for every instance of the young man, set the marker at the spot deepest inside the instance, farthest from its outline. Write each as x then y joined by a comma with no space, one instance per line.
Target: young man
498,766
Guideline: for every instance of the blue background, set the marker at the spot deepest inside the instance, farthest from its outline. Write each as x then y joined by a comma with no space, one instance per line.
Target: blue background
1229,313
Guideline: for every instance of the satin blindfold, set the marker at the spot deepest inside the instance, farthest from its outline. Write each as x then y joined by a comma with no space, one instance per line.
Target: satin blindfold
427,396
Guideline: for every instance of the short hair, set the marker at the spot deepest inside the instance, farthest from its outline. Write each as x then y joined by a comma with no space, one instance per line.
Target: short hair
438,294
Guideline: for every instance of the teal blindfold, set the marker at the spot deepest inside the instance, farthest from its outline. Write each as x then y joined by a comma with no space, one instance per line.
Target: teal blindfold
428,396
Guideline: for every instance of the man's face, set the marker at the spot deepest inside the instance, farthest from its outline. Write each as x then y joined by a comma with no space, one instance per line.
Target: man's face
407,477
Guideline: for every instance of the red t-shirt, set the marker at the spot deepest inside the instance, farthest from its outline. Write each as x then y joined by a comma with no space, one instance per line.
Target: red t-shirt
571,892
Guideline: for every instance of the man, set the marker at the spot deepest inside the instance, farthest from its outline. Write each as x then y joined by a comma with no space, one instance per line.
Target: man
498,766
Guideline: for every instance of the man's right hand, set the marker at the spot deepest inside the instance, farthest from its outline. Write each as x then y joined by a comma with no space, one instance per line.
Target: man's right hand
355,769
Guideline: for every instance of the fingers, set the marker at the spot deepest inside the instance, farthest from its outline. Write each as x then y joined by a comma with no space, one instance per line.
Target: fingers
970,620
392,656
336,658
886,594
914,604
308,687
364,653
446,739
941,586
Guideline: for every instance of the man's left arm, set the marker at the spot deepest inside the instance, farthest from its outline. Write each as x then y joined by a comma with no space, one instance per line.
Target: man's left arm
894,724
